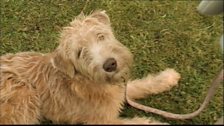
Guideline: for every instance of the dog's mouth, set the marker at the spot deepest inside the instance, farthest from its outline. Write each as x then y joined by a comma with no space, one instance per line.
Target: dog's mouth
117,77
123,79
113,81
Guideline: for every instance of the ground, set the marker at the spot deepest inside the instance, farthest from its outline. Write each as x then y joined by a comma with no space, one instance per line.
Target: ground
160,34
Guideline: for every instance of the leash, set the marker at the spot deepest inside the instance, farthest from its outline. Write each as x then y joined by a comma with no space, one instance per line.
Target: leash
218,79
209,96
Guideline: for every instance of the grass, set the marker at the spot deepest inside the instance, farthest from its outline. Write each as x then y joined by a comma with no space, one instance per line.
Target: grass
160,34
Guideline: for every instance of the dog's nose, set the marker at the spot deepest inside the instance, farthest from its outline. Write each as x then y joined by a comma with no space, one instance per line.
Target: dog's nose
110,65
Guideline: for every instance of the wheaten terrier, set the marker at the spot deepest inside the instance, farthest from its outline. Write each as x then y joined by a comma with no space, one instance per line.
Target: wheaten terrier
82,81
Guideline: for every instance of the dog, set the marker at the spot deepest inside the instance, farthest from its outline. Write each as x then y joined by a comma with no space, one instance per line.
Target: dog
82,81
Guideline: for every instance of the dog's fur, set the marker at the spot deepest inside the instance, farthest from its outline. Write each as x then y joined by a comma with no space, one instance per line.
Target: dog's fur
70,85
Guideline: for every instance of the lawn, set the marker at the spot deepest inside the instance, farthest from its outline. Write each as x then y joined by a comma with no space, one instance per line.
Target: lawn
160,34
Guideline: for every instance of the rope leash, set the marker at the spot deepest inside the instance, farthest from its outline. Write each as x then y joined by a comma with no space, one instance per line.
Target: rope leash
209,96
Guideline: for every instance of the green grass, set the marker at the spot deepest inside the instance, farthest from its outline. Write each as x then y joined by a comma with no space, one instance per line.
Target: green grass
160,34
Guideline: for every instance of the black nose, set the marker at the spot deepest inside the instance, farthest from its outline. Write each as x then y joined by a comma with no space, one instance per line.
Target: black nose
110,65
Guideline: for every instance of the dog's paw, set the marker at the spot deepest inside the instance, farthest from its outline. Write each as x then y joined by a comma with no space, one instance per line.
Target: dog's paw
169,76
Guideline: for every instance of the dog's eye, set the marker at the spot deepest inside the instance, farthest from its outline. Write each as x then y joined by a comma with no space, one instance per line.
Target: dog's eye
100,37
79,52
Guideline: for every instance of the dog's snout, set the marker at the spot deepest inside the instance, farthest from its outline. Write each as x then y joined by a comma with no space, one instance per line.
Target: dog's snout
110,65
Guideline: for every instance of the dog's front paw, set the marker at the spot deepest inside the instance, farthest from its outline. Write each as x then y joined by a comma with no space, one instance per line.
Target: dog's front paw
169,76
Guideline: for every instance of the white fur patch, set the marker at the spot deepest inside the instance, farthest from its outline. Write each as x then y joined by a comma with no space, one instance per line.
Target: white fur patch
96,52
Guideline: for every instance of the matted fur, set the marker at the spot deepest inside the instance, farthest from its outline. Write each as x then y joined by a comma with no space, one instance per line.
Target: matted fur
70,85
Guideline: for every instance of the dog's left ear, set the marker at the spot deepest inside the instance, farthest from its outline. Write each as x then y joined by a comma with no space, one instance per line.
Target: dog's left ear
101,16
64,65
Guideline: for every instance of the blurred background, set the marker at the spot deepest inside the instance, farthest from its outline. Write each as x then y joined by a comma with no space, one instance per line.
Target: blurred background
160,34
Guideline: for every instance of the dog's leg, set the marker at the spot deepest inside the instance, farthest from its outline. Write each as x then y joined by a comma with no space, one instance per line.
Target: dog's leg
18,103
164,81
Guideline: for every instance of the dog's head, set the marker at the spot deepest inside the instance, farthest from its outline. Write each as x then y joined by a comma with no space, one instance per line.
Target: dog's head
88,48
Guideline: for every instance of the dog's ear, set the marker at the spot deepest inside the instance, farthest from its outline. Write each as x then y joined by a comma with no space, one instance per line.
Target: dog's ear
64,65
101,16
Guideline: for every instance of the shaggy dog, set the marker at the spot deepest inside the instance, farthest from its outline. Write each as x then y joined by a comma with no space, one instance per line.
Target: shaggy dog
82,81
